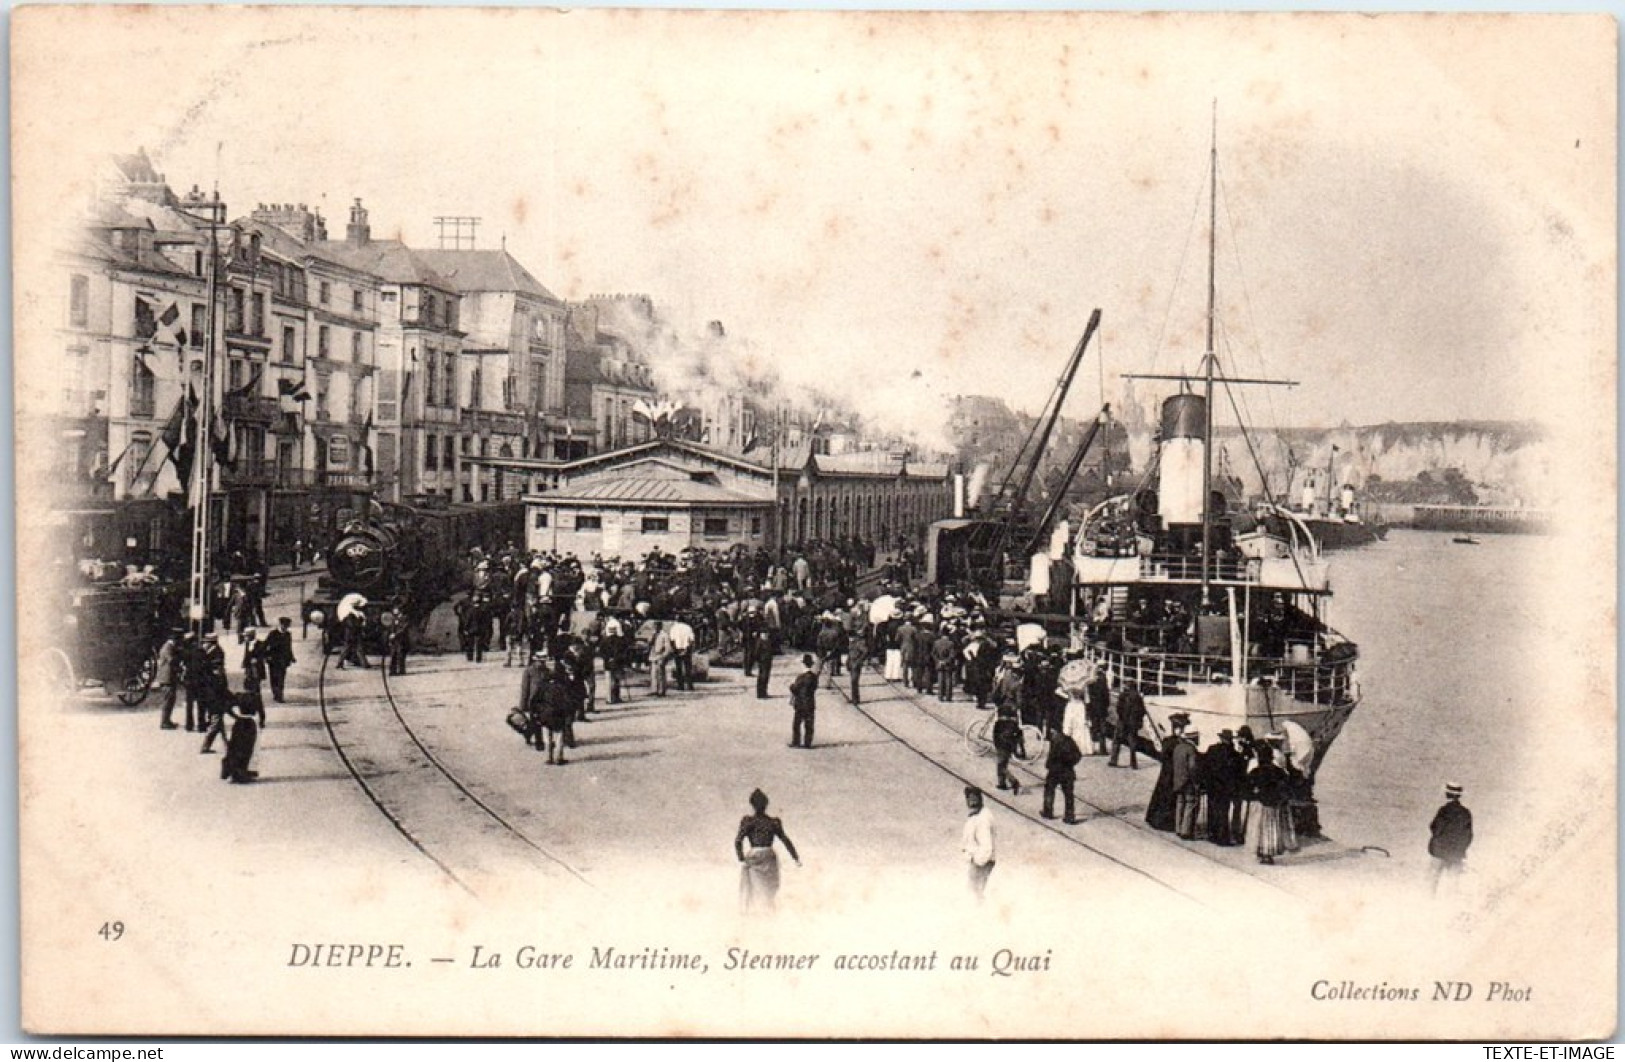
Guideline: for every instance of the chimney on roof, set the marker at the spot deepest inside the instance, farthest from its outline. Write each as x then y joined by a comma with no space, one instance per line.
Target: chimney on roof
299,222
358,231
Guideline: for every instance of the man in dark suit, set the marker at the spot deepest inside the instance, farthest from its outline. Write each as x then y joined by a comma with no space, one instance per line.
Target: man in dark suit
1130,715
803,699
1061,772
1224,772
857,656
945,658
762,652
1097,709
214,691
279,655
1451,834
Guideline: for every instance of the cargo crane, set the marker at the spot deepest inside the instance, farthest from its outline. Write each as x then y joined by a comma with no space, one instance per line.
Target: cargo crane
974,549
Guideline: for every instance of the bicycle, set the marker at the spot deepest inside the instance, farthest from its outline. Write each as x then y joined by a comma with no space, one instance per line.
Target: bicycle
979,740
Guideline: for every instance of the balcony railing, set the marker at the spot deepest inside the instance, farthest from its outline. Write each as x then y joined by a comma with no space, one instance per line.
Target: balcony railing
252,407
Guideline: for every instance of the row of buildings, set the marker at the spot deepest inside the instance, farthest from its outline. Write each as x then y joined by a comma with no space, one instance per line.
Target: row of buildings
353,368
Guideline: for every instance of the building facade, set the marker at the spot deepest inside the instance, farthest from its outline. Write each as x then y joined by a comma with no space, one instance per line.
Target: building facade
877,497
513,363
654,504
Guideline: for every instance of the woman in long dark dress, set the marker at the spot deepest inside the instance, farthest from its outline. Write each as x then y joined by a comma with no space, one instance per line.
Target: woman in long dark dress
1162,812
246,713
1268,786
759,870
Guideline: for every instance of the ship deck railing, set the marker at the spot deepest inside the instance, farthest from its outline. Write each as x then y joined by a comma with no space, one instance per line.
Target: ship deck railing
1276,573
1303,673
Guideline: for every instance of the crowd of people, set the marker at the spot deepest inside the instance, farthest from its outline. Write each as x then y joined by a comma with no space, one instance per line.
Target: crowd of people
191,670
1238,790
578,630
561,619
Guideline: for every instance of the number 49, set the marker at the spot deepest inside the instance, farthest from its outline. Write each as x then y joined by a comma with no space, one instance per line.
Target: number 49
111,931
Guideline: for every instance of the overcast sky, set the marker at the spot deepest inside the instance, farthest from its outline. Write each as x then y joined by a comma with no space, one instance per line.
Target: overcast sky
1416,214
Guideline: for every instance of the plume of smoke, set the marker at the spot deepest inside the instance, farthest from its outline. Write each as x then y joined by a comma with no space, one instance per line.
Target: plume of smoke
696,368
978,483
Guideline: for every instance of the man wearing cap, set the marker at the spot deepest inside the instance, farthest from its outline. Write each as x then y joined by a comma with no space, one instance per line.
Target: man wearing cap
1452,835
803,699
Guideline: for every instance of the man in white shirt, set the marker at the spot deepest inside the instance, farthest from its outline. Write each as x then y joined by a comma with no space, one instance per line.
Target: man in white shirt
978,841
682,653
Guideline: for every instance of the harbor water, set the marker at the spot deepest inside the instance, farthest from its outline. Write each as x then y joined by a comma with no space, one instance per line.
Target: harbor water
1452,641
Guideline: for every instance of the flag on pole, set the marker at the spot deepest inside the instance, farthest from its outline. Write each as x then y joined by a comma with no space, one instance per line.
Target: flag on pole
221,443
107,473
180,435
169,326
249,388
294,389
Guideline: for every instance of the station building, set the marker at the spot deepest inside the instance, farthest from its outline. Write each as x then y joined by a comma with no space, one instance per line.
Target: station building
673,493
656,505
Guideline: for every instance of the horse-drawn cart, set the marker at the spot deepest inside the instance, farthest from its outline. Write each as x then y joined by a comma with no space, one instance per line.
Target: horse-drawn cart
112,637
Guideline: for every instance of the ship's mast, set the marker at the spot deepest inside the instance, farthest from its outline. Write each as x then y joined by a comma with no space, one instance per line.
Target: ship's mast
1208,357
1331,477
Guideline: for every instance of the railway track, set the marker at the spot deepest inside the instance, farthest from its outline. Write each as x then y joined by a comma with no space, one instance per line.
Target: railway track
427,803
1182,868
472,842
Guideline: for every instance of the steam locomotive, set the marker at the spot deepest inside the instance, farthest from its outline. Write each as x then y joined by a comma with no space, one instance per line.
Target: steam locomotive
414,555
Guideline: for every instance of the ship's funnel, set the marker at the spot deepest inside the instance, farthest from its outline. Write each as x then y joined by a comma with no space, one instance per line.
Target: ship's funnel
1184,434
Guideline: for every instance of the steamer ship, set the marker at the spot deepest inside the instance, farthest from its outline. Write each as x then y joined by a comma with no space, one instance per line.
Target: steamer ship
1215,610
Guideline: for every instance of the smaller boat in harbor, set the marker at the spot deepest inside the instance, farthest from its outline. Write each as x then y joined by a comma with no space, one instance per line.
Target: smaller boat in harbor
1465,540
1336,523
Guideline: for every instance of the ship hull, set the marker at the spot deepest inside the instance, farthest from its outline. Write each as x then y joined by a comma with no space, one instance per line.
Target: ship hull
1341,534
1310,728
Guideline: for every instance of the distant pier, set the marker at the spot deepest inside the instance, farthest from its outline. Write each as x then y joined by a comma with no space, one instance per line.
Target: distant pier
1505,519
